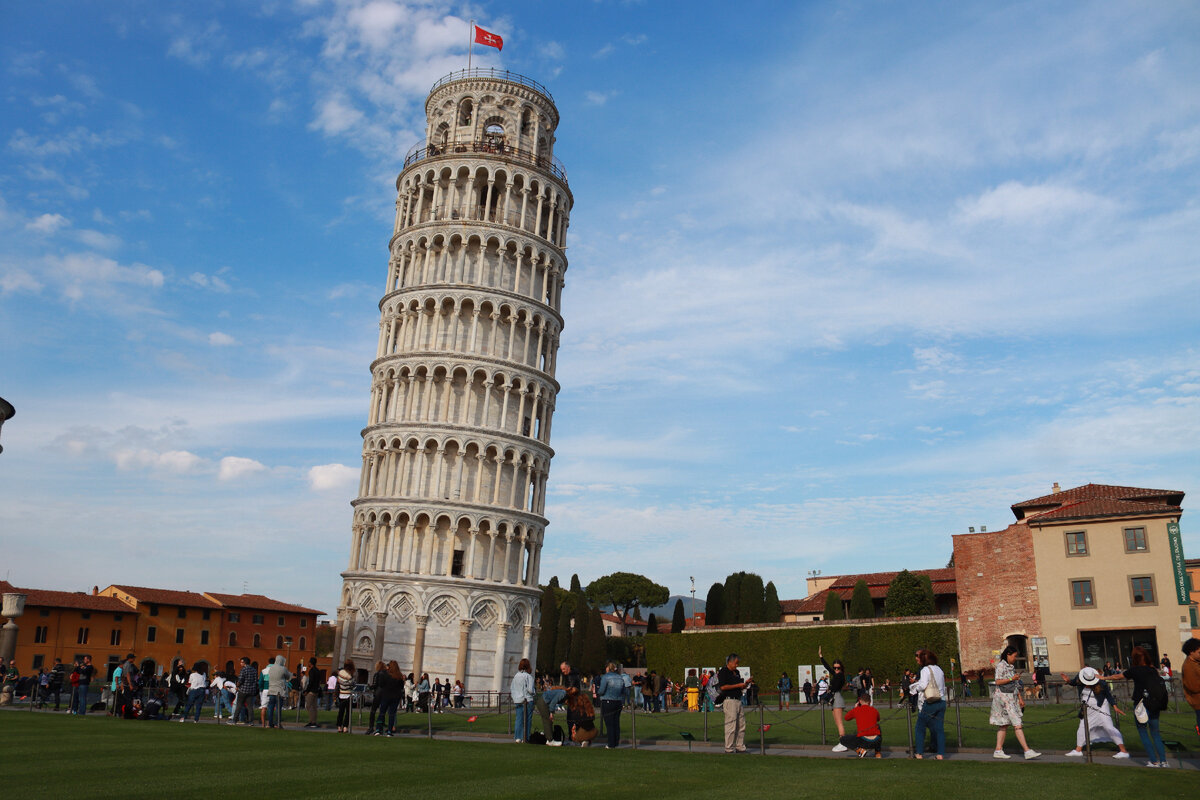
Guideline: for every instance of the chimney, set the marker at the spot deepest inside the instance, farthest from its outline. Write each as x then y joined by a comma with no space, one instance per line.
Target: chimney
1056,488
95,590
983,528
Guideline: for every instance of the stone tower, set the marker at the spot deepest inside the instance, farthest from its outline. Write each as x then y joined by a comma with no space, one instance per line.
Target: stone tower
448,523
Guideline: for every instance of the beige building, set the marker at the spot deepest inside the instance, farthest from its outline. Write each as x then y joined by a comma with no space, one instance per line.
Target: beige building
1082,577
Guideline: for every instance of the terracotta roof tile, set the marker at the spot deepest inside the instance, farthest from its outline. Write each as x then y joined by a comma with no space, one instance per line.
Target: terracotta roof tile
146,594
48,598
943,581
1099,500
258,601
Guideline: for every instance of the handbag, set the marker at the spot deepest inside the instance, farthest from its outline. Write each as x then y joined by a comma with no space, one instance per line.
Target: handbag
1140,713
931,691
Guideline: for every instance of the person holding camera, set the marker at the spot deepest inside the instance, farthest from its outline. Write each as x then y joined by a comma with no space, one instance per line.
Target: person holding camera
731,686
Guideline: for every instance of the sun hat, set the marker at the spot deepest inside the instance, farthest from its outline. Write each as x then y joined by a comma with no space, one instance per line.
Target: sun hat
1088,676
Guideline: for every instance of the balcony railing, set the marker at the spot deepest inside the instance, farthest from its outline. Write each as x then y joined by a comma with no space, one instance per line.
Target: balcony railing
486,147
497,74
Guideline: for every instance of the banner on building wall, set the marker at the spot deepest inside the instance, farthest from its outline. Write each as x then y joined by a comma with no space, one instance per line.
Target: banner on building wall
1178,569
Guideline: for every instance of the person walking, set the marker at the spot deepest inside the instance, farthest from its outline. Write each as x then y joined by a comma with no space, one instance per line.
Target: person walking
837,682
785,692
1148,688
612,697
389,688
930,687
312,691
345,692
1097,722
731,685
1006,707
523,695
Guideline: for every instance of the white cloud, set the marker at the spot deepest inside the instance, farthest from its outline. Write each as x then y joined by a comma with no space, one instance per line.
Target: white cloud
332,476
47,223
98,240
176,462
1018,203
16,280
218,339
376,22
599,98
85,274
234,467
214,282
336,115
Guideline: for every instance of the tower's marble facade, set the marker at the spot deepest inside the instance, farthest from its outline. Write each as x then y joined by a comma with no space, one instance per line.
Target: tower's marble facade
448,523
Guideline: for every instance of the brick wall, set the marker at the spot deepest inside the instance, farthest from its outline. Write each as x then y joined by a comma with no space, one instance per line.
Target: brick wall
993,573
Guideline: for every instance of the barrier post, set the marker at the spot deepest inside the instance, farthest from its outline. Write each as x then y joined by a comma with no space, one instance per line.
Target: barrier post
912,750
429,717
1087,729
823,723
958,721
633,726
706,722
762,734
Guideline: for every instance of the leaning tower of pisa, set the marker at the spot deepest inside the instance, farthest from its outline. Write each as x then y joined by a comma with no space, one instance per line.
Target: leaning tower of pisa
448,523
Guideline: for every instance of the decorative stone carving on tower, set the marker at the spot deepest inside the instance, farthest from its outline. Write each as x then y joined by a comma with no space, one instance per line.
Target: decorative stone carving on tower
448,523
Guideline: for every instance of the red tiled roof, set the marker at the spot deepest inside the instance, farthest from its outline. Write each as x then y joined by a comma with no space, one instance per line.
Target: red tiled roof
48,598
258,601
1099,500
146,594
877,582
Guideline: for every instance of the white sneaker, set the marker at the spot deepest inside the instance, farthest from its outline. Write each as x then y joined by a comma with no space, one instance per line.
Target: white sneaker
1032,754
554,743
1075,754
1000,754
1122,755
840,748
1151,763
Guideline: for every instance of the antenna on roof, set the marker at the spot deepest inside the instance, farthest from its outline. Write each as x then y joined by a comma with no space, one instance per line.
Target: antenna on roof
244,585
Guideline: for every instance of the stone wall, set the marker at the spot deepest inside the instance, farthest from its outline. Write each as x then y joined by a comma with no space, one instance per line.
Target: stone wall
997,591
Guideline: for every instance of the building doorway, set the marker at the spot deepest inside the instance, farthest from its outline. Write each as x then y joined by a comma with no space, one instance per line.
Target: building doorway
1115,647
1022,644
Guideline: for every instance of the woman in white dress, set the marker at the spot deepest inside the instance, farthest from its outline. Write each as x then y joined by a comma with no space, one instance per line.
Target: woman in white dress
1006,704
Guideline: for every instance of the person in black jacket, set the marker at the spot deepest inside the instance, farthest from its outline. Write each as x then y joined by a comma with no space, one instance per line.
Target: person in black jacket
312,691
389,688
837,682
380,671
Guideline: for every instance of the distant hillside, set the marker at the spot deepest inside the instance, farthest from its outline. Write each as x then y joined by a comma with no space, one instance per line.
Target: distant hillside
664,612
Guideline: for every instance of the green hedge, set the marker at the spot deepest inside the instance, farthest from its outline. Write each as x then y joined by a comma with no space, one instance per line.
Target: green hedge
886,649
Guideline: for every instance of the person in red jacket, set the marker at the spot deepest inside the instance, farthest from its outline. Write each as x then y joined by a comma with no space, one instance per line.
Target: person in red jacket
866,723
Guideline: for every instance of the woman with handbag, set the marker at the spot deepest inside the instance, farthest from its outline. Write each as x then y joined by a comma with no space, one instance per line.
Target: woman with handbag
1006,704
1145,677
930,688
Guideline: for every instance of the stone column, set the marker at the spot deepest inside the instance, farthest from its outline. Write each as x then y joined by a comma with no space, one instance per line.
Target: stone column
380,632
527,643
464,634
419,645
337,636
498,665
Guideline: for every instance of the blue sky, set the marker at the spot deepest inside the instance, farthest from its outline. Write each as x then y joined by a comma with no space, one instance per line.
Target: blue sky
845,278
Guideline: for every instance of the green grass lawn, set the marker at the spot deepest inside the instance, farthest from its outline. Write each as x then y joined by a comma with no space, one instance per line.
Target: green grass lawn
55,756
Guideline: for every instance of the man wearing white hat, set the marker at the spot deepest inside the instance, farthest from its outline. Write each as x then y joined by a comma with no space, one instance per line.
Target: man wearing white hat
1094,695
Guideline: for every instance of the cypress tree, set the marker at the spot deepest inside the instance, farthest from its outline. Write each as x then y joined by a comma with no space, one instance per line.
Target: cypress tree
545,660
678,619
714,605
651,624
579,631
751,606
576,586
554,582
594,646
772,611
733,599
562,641
861,606
833,606
908,596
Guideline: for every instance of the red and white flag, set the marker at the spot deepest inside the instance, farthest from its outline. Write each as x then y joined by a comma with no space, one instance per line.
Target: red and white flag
490,39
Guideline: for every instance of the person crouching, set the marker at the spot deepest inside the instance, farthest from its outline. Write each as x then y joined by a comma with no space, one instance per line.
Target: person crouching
866,723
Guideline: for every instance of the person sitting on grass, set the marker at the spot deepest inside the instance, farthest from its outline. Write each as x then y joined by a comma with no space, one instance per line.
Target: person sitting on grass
581,717
866,723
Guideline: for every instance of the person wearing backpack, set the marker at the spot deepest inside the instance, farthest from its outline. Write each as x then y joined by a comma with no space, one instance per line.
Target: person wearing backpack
1149,690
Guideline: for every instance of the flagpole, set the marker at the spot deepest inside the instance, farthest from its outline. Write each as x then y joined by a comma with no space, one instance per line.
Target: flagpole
470,42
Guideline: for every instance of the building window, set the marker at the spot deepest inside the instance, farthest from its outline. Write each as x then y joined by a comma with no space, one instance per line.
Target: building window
1077,543
257,619
151,633
257,640
38,661
456,565
114,638
85,614
40,633
235,616
281,622
118,617
278,642
153,610
182,614
233,638
206,613
1191,612
43,612
82,636
179,636
203,637
1081,594
303,646
1135,540
304,622
1142,589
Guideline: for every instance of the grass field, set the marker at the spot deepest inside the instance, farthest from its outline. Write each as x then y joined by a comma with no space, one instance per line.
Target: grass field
55,756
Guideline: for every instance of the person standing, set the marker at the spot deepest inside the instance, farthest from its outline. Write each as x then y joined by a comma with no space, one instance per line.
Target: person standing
58,676
177,687
930,687
312,691
345,692
278,679
86,671
1149,689
458,692
837,682
330,689
785,691
731,686
808,692
523,697
1191,676
691,686
391,687
376,678
612,697
1006,708
1093,695
197,691
220,699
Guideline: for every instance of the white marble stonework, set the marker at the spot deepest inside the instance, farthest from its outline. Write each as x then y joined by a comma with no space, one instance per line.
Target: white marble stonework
448,523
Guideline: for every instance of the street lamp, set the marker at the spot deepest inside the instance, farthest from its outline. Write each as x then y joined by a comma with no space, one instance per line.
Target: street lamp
693,580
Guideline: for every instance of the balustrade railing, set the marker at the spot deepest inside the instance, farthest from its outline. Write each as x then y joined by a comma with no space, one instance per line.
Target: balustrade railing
496,74
486,147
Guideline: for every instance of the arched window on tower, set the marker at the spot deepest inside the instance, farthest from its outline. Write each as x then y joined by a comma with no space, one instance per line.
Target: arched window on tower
493,137
526,122
464,112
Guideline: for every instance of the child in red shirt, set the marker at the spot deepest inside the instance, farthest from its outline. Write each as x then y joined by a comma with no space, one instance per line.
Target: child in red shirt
866,723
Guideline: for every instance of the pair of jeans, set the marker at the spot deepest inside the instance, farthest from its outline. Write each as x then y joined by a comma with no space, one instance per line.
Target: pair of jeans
196,699
932,716
386,720
81,698
241,707
523,721
610,711
1152,741
546,703
275,703
862,742
222,701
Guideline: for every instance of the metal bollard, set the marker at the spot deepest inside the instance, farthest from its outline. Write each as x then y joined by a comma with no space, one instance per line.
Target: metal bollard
706,722
762,734
823,723
958,721
633,726
912,750
1087,730
510,718
429,716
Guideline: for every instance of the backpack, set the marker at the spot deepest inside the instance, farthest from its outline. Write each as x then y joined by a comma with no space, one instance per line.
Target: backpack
1156,696
714,689
537,737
